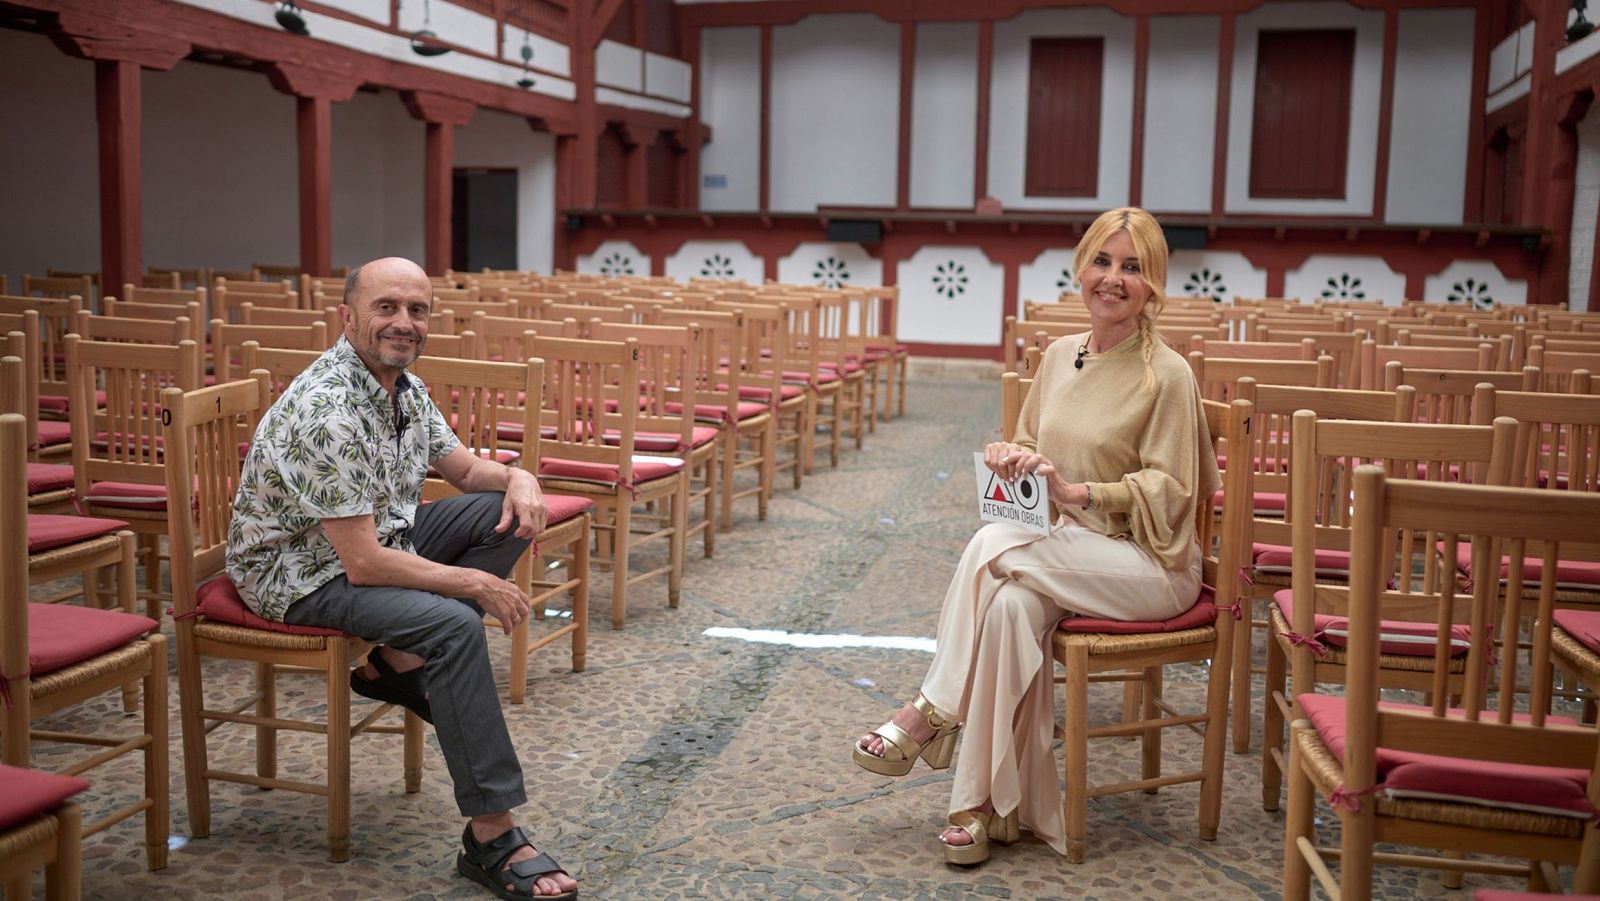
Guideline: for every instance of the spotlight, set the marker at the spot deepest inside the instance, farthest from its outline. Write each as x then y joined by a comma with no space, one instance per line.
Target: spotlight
291,18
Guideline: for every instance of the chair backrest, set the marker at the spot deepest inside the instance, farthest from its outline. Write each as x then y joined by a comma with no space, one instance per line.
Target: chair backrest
1492,520
56,320
575,422
175,297
1501,347
227,296
505,337
61,286
277,272
1569,372
121,441
14,714
133,331
1376,356
227,341
1446,396
1013,392
1343,347
1557,440
1217,377
716,372
201,434
198,278
668,355
114,308
477,397
1258,350
276,366
19,378
251,314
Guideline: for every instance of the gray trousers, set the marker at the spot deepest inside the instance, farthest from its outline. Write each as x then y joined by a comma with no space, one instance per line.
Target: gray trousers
449,634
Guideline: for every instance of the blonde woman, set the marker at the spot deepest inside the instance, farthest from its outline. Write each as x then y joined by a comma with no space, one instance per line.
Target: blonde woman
1114,424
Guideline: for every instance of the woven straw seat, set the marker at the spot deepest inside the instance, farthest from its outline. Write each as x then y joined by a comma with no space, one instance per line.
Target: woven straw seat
39,827
257,638
1334,655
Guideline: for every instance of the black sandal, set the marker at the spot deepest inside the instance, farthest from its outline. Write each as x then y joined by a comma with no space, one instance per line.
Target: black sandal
484,863
406,689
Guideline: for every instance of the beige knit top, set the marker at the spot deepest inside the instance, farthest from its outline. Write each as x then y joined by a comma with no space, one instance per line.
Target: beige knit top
1146,454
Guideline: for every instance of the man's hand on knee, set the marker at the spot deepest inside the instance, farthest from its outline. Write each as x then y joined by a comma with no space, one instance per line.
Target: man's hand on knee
524,503
500,599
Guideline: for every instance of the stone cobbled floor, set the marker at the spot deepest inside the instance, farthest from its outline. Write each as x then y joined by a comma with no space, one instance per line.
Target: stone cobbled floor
686,765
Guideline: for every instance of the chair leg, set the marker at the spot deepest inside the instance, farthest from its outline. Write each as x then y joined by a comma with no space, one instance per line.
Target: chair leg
191,699
127,595
1587,879
338,751
522,574
678,509
621,522
1272,725
1075,752
267,706
412,738
63,876
1298,824
904,364
768,442
835,424
1242,653
1150,744
808,437
157,820
730,456
580,598
709,533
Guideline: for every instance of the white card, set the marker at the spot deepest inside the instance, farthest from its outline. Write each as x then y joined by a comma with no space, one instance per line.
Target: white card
1024,502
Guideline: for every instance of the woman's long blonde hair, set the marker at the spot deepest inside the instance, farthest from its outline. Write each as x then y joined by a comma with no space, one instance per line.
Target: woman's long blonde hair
1151,246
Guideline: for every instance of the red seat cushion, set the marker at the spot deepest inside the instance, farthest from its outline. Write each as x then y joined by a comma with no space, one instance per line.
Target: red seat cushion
644,469
60,635
1396,637
1575,574
563,507
53,431
49,530
56,404
512,431
764,394
29,793
1203,613
848,368
134,495
44,477
718,413
1275,558
825,377
219,600
664,442
1584,625
1407,774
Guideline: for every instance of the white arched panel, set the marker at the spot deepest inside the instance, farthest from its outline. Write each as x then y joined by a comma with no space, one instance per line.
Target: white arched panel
830,265
614,258
951,295
1474,283
1214,273
1338,277
715,259
1048,277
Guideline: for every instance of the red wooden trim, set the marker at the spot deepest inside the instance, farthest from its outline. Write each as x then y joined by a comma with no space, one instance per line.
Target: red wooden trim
689,190
1065,75
764,193
908,76
1300,131
1477,134
89,34
961,351
706,15
980,176
314,137
585,164
440,159
1141,68
1537,151
118,114
438,108
1380,162
1219,160
1594,269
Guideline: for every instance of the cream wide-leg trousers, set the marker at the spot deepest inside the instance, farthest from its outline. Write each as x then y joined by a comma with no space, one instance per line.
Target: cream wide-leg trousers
992,670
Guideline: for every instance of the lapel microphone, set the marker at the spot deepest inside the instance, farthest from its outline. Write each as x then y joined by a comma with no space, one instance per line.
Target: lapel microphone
1083,351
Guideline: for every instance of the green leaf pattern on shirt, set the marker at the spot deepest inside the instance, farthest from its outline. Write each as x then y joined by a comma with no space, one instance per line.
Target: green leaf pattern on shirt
327,448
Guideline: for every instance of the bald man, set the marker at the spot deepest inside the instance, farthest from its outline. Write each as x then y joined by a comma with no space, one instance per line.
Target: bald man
327,531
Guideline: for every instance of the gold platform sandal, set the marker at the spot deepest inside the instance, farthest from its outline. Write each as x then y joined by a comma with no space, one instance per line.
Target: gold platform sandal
900,750
984,828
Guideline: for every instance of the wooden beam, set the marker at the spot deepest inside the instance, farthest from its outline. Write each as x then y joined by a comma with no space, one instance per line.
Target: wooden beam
118,113
1380,164
980,166
908,68
314,137
1219,152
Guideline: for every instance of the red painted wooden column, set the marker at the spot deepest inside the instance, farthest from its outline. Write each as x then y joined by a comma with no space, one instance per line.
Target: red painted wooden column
1141,67
908,76
1549,23
980,156
1380,164
443,116
117,111
315,91
1219,153
764,182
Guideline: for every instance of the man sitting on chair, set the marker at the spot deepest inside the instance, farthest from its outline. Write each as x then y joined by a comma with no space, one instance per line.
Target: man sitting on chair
327,532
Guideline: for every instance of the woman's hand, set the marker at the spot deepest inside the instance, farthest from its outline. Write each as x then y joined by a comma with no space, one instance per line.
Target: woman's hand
1062,492
1008,461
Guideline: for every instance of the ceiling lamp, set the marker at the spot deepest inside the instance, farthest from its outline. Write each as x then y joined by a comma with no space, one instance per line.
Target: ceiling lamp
424,42
526,81
291,18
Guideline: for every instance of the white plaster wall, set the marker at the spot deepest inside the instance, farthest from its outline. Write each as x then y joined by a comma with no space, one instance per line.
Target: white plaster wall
1048,277
1475,282
951,295
221,183
1502,63
944,104
830,264
1214,273
730,102
50,195
715,259
1008,105
1585,208
1342,277
1366,81
667,77
551,56
619,66
1428,131
614,258
500,140
835,112
1180,113
377,165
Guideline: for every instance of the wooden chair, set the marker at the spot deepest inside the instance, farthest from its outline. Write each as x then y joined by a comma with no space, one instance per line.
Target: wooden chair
19,338
56,321
121,330
1136,654
115,308
765,327
227,341
1344,347
277,272
117,455
328,316
1307,638
1462,780
80,285
212,621
477,398
1568,372
40,827
1268,558
666,424
173,297
799,362
1445,396
842,352
228,295
591,453
880,326
196,278
53,656
1218,376
1375,357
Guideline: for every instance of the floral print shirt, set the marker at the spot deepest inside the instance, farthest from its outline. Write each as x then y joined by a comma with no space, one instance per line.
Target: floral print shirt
331,446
